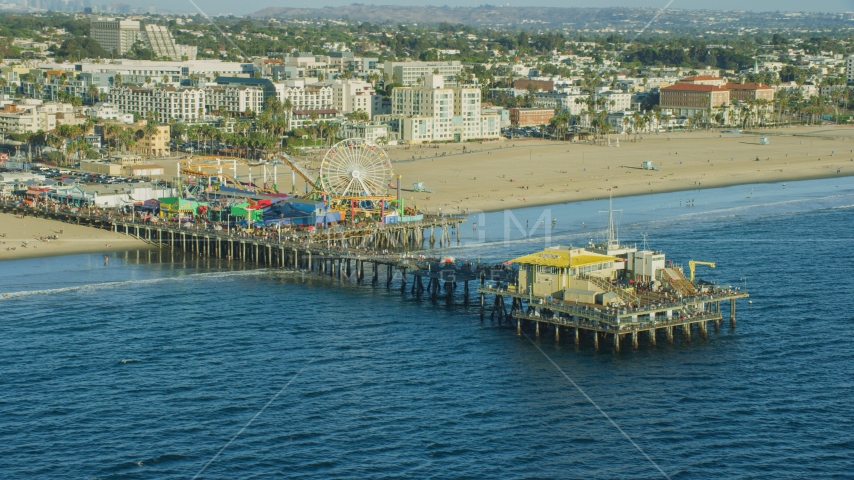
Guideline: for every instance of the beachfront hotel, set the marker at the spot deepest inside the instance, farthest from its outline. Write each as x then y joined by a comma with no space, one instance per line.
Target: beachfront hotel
435,113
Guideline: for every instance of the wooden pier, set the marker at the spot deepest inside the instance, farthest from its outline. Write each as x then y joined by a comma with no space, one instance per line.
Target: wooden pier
597,323
348,253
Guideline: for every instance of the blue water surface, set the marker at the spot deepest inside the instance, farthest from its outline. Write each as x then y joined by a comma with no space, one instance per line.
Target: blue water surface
150,366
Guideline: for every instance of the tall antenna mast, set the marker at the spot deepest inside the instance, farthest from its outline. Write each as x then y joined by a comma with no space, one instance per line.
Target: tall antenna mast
644,239
613,240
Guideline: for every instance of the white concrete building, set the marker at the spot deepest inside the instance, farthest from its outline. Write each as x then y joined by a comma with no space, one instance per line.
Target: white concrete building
160,41
433,113
411,73
305,96
849,68
615,101
31,117
108,111
183,104
566,102
351,95
114,35
369,131
135,71
233,99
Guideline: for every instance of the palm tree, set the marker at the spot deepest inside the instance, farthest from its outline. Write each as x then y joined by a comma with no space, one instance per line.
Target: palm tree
93,94
636,119
126,139
321,126
332,131
150,129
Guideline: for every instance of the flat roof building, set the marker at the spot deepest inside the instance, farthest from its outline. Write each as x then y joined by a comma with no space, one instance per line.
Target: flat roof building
114,35
522,117
411,73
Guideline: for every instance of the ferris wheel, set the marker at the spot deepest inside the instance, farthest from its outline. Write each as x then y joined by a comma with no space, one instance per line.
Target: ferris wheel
355,167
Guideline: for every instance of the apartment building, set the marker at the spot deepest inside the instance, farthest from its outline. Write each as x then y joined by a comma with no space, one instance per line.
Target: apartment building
615,101
434,113
411,73
157,144
351,95
234,100
185,104
160,41
371,132
567,102
114,35
307,98
108,111
30,117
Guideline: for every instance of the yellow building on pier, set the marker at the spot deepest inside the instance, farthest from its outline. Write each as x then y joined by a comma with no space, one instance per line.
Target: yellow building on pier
558,269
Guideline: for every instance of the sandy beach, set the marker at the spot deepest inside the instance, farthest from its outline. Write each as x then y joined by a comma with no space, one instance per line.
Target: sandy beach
516,173
532,172
71,238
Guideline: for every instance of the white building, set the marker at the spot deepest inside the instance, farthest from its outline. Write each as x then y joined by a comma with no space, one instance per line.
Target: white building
849,68
31,117
305,96
369,131
351,95
160,41
433,113
114,35
234,99
566,102
411,73
108,111
166,103
615,101
135,71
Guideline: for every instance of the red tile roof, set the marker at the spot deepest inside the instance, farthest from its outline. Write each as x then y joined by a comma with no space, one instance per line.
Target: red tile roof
694,87
746,86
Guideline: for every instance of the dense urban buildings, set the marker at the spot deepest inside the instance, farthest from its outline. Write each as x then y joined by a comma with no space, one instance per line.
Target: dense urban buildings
424,85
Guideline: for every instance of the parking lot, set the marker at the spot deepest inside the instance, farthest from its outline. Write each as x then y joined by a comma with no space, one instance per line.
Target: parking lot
71,176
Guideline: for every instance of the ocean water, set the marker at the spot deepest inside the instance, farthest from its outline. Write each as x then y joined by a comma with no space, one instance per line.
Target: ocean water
157,364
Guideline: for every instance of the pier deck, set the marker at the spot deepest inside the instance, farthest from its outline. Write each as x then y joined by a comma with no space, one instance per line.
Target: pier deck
345,253
599,321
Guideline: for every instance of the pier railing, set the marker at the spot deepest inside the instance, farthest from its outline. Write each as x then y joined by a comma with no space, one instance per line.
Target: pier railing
303,240
648,314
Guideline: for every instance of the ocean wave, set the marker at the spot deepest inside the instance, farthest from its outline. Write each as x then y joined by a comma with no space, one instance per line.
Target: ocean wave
125,283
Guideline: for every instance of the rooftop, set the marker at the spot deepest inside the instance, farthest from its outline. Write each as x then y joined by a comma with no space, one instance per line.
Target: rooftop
746,86
563,257
693,87
700,77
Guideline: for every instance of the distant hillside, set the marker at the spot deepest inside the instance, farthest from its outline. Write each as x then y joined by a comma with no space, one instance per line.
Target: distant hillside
576,18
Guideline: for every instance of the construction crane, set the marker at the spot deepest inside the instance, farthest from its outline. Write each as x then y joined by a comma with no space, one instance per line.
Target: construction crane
692,264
